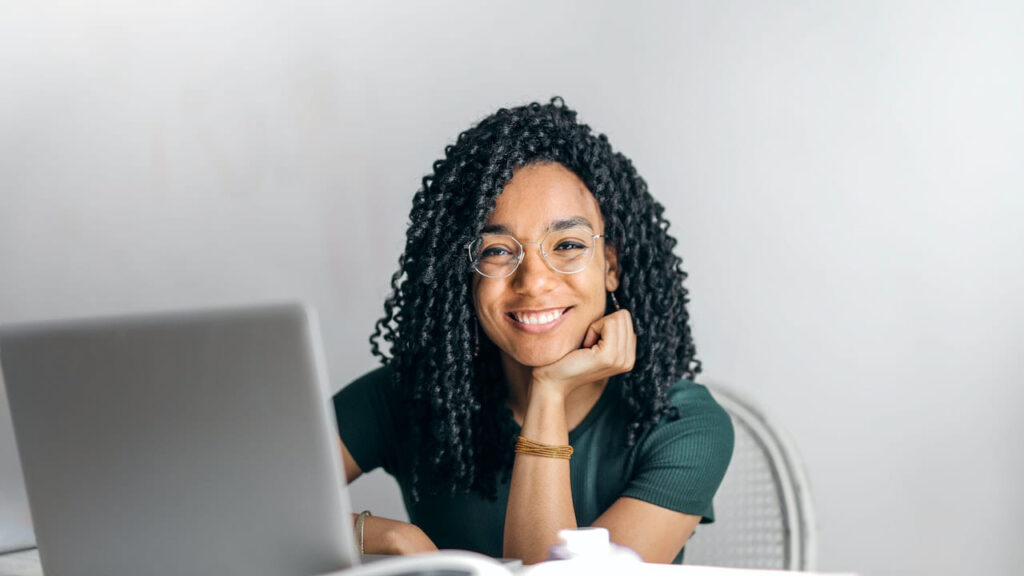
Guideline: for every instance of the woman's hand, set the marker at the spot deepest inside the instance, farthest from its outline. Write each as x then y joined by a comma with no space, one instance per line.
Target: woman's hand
609,349
385,536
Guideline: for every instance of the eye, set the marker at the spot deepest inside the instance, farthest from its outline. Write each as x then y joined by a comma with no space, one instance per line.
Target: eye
494,252
570,245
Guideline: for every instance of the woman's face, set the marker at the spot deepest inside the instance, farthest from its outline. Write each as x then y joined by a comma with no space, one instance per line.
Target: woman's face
536,316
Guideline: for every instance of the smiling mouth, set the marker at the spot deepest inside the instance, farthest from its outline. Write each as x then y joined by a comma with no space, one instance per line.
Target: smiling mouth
539,317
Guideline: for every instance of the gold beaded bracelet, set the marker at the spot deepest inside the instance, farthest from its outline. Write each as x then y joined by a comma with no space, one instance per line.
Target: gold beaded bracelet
524,446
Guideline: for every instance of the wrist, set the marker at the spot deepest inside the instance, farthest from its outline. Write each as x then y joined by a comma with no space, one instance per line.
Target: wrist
393,541
408,539
545,419
360,527
546,392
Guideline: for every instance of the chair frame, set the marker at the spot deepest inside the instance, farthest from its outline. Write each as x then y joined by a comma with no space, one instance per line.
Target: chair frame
790,475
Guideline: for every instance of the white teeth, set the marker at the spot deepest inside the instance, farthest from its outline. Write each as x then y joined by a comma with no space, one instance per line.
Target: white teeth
541,318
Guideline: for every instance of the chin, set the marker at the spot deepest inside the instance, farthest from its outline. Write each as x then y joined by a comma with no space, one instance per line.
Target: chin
541,356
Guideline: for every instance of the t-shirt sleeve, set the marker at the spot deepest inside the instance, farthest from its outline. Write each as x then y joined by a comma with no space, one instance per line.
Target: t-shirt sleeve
366,421
681,462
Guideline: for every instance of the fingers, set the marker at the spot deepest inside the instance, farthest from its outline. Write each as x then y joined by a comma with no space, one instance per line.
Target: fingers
613,340
629,341
626,344
593,334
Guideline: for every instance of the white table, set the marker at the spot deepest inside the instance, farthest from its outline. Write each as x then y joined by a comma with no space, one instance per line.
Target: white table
27,564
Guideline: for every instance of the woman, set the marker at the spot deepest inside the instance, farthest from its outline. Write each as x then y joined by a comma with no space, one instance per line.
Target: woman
540,356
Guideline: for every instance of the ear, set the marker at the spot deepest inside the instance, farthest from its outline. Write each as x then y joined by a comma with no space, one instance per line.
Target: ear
611,268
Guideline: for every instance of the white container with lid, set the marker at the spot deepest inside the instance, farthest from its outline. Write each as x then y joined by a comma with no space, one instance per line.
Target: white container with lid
586,551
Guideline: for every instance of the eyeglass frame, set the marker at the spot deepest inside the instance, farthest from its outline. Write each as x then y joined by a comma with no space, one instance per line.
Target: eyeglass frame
522,250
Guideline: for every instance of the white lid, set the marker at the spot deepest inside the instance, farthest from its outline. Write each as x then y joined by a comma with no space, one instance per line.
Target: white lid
585,541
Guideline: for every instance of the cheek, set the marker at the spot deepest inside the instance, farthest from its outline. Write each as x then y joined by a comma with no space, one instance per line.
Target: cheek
592,295
487,308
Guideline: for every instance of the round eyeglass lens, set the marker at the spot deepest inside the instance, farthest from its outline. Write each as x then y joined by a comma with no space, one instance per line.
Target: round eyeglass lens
495,255
569,251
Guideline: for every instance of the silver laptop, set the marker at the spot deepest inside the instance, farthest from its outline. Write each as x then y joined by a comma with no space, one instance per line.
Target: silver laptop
193,443
15,520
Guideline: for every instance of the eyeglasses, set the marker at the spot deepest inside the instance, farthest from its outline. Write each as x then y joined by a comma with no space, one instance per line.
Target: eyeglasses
565,251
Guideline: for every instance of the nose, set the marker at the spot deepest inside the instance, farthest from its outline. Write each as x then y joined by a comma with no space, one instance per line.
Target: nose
533,276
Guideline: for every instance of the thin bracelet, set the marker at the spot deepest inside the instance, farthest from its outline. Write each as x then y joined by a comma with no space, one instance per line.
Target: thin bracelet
524,446
359,528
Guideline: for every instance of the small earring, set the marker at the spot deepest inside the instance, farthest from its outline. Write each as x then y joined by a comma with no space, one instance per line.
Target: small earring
476,339
615,301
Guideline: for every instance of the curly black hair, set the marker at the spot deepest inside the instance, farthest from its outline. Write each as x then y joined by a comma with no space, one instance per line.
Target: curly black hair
460,426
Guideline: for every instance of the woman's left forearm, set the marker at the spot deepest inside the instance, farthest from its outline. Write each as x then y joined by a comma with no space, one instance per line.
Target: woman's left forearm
540,494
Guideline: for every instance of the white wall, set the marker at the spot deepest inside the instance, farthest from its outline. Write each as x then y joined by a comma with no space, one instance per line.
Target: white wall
844,179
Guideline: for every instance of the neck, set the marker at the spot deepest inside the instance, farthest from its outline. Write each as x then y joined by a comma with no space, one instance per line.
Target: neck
577,404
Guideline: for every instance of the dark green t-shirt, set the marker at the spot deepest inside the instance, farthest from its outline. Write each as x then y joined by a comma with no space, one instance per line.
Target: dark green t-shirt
677,464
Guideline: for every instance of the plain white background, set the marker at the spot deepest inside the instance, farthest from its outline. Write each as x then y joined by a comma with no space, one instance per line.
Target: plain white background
844,178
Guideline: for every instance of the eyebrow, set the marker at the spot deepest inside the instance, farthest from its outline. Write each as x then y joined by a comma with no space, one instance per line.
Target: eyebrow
574,222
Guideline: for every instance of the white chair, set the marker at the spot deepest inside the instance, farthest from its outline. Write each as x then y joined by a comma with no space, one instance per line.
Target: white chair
764,517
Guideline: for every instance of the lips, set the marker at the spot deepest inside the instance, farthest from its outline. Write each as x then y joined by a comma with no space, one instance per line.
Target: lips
537,316
537,320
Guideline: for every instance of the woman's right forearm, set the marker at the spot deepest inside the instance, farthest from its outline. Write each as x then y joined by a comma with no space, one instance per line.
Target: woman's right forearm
540,492
386,536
